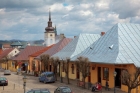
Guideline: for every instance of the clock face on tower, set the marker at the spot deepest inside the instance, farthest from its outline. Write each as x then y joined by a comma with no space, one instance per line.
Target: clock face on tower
51,35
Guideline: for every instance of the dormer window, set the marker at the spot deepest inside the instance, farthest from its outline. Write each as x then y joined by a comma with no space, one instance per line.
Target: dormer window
50,34
111,47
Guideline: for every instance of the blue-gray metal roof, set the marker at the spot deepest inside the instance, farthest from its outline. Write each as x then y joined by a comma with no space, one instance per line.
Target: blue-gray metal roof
17,43
77,45
120,45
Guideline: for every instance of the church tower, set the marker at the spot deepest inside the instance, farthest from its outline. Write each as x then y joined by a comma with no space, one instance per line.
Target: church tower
50,33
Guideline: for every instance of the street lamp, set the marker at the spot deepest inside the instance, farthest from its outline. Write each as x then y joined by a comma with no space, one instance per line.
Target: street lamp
115,73
24,83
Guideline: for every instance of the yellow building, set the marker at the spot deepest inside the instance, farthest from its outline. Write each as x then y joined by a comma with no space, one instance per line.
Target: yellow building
12,66
23,59
6,57
114,51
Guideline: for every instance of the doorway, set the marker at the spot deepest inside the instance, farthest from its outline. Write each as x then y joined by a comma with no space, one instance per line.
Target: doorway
23,67
89,78
50,68
99,74
77,74
118,78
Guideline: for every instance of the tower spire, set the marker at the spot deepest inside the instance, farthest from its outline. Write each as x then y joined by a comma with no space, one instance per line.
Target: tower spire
49,14
49,28
55,30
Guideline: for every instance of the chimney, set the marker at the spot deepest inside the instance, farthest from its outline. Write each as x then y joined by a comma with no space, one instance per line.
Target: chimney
102,33
74,36
62,36
28,44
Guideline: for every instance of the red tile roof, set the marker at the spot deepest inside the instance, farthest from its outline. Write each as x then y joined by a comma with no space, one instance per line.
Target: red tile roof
6,46
23,55
41,51
57,47
5,52
1,51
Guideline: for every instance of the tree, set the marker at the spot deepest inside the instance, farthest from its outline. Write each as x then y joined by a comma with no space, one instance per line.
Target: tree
45,60
62,66
66,68
131,80
55,62
33,65
84,67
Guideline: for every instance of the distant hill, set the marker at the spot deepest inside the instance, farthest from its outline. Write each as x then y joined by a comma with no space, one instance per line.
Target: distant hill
14,40
38,41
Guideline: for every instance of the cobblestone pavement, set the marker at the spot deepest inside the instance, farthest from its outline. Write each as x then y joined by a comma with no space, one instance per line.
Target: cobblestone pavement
11,88
16,85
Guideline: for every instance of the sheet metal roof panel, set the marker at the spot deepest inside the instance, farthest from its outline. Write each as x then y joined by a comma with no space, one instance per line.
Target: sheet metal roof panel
85,41
76,46
125,39
16,44
67,50
130,42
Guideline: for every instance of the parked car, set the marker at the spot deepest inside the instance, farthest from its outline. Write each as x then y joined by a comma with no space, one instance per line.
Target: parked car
38,91
3,81
1,69
7,72
47,77
63,89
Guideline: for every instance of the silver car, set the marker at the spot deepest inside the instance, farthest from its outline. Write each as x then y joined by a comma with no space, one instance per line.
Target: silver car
7,72
63,89
42,90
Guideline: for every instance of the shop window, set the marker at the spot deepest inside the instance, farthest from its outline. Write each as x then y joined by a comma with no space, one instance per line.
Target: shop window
72,69
105,73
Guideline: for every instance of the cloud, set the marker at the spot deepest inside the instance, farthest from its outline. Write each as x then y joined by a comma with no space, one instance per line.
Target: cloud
126,8
22,19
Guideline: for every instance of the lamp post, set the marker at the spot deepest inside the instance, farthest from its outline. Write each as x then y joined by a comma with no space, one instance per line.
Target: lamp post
24,83
115,73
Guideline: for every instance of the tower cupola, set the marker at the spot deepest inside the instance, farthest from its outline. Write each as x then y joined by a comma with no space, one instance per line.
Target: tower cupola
49,28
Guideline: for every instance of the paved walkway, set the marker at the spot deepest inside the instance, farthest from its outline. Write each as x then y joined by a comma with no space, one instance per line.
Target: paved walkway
88,90
11,88
16,88
73,83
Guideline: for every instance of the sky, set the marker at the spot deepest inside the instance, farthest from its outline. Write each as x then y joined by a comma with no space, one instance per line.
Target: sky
27,19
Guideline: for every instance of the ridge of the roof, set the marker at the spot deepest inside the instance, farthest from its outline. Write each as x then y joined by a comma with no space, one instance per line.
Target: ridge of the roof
16,43
57,47
41,51
77,45
6,52
120,45
23,55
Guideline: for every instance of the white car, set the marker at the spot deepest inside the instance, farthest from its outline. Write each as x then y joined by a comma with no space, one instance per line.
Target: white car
7,72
